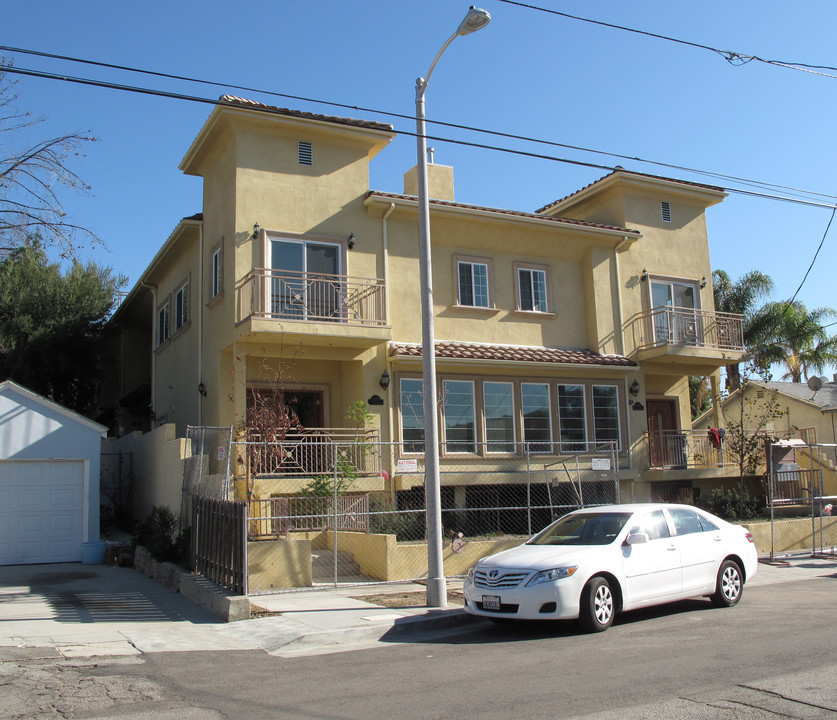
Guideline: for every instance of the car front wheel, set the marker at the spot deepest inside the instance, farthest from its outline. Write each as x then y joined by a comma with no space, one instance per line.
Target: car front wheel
597,605
729,586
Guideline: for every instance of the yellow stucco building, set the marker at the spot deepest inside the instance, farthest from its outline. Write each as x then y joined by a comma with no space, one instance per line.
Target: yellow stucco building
579,322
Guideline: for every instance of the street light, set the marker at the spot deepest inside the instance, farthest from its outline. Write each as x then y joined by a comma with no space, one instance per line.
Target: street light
437,594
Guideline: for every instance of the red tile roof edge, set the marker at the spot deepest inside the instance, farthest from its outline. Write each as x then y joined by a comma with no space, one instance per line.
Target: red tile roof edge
513,213
233,101
514,353
629,172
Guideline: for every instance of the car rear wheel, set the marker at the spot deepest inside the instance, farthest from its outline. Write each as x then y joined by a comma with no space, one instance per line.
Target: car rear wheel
729,586
597,605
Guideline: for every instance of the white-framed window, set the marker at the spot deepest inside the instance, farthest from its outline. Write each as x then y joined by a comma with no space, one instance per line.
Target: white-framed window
498,408
459,415
163,325
412,415
536,408
181,306
305,282
532,288
473,282
216,273
572,414
606,414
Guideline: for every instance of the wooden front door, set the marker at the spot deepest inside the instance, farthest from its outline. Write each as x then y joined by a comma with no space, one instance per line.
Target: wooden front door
663,438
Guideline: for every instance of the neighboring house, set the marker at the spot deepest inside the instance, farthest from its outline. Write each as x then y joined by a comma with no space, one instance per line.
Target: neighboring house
580,322
804,416
49,479
810,415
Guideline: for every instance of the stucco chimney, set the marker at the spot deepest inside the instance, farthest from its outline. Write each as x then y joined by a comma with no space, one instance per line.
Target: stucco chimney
439,182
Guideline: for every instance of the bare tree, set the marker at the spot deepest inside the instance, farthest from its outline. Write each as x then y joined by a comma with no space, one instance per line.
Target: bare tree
31,177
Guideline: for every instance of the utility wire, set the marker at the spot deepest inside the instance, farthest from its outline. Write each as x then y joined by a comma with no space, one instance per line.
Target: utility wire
495,133
732,57
437,138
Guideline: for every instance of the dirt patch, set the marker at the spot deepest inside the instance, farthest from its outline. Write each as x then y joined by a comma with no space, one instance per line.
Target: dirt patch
260,612
408,599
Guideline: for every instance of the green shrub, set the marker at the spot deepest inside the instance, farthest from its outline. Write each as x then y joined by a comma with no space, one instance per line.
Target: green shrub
161,536
727,504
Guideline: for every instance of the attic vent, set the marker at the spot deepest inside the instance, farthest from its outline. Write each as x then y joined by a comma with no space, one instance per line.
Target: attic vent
306,154
665,211
760,393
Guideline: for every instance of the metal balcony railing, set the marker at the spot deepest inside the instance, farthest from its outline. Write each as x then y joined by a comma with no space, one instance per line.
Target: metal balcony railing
688,327
313,297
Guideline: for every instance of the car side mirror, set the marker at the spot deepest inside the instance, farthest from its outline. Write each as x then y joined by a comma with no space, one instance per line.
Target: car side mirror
637,538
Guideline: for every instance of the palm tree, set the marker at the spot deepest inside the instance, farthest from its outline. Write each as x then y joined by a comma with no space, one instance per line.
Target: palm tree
797,339
741,297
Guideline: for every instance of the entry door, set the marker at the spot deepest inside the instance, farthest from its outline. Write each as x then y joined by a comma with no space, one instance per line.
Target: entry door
308,406
666,446
675,320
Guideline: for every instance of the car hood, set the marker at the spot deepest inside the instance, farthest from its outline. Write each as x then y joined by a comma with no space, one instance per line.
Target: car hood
541,557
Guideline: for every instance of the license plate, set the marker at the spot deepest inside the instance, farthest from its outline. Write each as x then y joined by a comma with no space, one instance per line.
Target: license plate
490,602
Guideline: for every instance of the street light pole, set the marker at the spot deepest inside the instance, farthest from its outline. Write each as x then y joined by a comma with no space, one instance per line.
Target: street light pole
437,595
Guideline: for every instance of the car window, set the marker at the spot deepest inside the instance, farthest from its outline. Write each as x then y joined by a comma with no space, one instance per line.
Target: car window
685,521
583,529
652,524
707,525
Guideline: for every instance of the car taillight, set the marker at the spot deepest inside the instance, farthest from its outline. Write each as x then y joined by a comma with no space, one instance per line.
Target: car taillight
749,537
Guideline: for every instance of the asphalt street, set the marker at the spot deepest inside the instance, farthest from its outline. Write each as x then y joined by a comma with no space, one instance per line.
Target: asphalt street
773,656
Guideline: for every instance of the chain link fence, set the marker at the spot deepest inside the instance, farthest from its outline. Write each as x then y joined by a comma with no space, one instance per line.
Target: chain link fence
351,521
802,498
206,471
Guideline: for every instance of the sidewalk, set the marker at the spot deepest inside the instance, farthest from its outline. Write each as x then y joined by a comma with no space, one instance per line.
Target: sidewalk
71,610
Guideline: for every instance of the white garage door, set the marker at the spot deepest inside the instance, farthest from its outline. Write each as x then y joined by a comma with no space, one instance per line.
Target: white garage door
41,511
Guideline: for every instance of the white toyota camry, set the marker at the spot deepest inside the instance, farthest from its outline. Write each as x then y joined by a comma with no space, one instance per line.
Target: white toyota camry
596,562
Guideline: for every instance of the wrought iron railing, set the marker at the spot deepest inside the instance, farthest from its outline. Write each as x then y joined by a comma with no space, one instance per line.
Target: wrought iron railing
687,327
681,449
315,451
277,516
312,297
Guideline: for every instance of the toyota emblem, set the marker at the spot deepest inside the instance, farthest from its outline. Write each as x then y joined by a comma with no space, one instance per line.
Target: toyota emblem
493,574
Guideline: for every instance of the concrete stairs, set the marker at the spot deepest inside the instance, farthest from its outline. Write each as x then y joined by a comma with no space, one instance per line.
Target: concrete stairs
322,568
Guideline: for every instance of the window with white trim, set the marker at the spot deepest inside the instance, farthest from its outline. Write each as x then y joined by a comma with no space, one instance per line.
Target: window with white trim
498,407
606,414
181,306
532,289
460,416
537,416
473,283
163,328
572,426
216,273
412,415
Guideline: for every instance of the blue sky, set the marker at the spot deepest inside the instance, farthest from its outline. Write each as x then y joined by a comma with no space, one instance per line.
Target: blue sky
528,73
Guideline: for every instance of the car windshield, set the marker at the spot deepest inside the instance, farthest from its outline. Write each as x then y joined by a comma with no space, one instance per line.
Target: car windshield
582,529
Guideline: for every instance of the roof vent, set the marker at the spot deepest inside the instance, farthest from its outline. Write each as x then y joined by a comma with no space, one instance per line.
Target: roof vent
665,211
305,153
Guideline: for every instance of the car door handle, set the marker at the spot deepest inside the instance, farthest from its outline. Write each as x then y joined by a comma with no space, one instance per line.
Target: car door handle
717,538
671,548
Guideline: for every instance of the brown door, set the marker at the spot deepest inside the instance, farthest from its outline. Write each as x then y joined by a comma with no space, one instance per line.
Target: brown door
308,406
664,442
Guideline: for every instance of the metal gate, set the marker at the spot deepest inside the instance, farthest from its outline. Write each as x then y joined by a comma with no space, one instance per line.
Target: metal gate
206,471
802,498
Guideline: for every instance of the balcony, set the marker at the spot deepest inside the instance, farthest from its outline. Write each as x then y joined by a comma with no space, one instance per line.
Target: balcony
702,450
347,310
680,335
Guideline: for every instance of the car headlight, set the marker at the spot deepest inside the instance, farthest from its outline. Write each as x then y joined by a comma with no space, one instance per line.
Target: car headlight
552,575
471,572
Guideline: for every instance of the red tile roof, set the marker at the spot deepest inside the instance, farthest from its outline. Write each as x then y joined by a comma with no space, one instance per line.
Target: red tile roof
628,173
515,353
231,100
514,213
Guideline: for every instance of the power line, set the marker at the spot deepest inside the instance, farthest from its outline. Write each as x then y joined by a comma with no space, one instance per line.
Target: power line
357,108
732,57
437,138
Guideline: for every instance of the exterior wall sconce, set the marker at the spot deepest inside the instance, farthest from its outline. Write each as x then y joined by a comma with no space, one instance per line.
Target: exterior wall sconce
256,231
703,282
634,389
202,390
644,275
350,241
385,379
